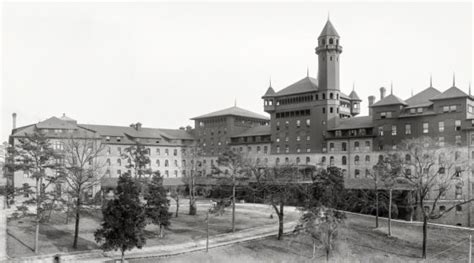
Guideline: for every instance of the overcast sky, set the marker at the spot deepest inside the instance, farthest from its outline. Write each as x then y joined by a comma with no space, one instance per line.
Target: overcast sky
164,63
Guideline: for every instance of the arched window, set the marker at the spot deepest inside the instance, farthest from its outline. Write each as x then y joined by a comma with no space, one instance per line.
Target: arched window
323,41
324,96
356,173
356,159
367,158
331,161
344,146
166,163
331,96
344,160
277,161
287,160
158,163
323,159
297,160
331,41
356,146
307,159
337,96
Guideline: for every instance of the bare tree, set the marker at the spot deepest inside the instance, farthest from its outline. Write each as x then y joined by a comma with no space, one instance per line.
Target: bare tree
431,171
280,185
194,168
83,170
35,156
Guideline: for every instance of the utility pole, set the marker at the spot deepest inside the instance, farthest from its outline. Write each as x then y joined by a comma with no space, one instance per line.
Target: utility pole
207,231
470,249
233,201
390,213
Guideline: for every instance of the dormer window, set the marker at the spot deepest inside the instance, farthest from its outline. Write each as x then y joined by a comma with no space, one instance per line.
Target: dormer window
107,138
119,139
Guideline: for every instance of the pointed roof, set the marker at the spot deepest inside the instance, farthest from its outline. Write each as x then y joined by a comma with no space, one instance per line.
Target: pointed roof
329,30
270,92
232,111
423,97
55,123
389,100
307,84
451,93
353,95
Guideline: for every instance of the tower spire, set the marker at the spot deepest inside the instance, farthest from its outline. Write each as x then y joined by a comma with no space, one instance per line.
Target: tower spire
307,71
270,82
353,86
469,88
329,15
235,102
454,79
391,87
431,81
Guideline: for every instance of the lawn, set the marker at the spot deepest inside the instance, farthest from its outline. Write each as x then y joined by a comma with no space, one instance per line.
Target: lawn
358,242
57,236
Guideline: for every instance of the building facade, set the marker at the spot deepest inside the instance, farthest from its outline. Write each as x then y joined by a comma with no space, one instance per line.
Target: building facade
312,121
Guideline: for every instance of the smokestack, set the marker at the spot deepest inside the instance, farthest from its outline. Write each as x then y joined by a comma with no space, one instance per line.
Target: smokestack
371,102
14,121
382,92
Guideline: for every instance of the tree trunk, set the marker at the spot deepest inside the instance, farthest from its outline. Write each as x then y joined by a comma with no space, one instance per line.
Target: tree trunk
177,204
161,231
328,247
280,222
314,248
425,234
376,207
233,205
78,216
207,232
192,200
122,259
38,197
390,213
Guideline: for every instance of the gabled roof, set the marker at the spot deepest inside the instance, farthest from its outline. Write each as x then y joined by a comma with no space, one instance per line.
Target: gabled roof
307,84
353,95
389,100
55,123
176,134
232,111
344,96
423,97
255,131
355,123
329,30
451,93
270,92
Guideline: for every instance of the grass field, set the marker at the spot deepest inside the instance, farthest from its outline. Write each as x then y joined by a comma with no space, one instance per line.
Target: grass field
359,242
57,236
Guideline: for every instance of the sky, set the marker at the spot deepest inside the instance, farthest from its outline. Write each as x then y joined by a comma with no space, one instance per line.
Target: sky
162,63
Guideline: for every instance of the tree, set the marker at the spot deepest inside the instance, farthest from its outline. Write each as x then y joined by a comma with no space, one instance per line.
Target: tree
83,171
281,185
157,204
233,163
431,171
35,156
328,189
192,163
175,193
123,219
138,160
321,225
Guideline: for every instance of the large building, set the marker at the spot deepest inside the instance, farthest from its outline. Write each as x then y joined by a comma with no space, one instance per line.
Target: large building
312,121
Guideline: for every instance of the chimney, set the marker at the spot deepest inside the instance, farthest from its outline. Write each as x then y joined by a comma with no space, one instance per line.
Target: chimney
188,128
182,128
371,102
382,92
138,126
14,121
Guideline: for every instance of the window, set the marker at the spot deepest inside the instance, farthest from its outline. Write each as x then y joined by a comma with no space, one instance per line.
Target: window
344,146
356,160
458,140
167,173
287,149
167,152
176,163
323,159
307,159
249,148
458,209
367,159
324,109
308,137
367,145
394,130
331,161
457,125
119,172
298,123
344,160
108,162
445,108
308,122
331,147
166,163
287,160
412,111
277,161
367,173
298,138
356,173
425,127
278,149
419,110
441,141
441,126
298,150
265,149
452,108
381,130
407,128
175,152
356,146
119,162
298,160
458,191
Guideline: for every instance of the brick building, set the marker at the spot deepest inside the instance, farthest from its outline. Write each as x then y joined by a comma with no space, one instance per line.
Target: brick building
311,121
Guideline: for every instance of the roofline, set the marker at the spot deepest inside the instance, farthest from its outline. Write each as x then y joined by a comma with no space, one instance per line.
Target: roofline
200,118
457,97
